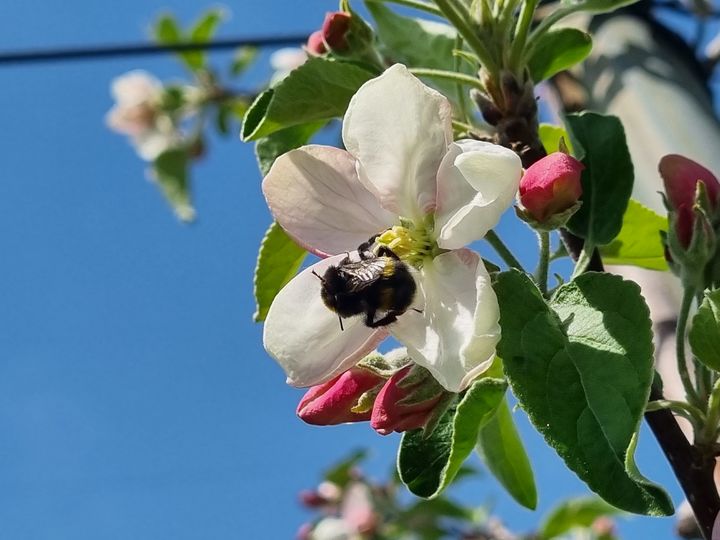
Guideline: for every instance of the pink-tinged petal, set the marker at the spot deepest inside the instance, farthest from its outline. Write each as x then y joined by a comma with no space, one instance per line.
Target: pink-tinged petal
358,508
455,335
333,402
399,130
315,195
681,175
476,183
304,336
334,528
135,87
551,185
404,403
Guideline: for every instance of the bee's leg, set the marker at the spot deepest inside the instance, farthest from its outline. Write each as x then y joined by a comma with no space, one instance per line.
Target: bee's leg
389,318
364,248
384,251
369,316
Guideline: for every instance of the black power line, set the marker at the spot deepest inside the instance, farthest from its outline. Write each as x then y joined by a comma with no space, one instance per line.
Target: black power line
140,49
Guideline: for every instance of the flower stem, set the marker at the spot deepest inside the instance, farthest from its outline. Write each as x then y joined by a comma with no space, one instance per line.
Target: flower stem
505,254
459,78
583,259
417,4
694,415
709,433
458,15
690,392
521,32
541,273
462,102
463,126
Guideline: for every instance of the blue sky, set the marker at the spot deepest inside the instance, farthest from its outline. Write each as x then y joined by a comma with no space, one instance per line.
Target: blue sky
136,400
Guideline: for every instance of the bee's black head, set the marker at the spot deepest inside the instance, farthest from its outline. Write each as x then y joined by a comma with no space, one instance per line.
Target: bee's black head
332,284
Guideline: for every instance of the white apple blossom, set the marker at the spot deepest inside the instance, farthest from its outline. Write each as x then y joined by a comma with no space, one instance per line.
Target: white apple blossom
136,113
284,60
403,176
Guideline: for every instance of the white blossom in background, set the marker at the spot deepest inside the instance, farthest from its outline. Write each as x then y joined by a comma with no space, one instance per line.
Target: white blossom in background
403,176
284,60
137,114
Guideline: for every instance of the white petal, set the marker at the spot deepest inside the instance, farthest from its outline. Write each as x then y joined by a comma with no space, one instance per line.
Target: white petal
477,182
150,144
334,528
455,335
315,195
399,130
135,87
304,336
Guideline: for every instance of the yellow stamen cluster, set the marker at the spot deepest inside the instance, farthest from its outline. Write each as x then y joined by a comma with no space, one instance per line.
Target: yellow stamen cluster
411,244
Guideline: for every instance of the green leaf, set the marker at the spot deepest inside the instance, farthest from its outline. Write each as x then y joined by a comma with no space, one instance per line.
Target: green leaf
320,89
638,243
501,449
202,32
417,42
242,59
705,332
341,473
582,369
578,512
550,136
599,6
166,30
607,179
269,148
428,465
278,261
171,174
557,50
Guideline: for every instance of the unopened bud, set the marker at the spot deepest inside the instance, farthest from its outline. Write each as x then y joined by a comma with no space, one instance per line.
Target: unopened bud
490,113
315,44
335,402
681,177
550,188
335,29
407,401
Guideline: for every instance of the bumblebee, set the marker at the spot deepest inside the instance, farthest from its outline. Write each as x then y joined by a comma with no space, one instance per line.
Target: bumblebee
378,283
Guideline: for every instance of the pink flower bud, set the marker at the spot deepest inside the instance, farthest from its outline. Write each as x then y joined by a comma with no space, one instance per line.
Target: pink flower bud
312,499
680,176
315,44
551,185
400,405
331,403
304,532
335,29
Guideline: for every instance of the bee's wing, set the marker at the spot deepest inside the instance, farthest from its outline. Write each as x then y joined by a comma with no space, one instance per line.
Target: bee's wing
362,274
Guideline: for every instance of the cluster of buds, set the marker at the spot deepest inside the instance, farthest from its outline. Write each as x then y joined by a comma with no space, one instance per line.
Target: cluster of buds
508,104
391,399
152,114
349,511
691,197
343,34
332,36
550,191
